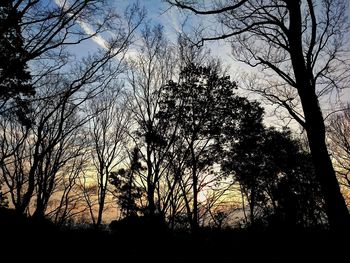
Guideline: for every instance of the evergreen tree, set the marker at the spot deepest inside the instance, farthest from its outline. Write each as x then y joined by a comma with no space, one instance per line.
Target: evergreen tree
126,190
15,78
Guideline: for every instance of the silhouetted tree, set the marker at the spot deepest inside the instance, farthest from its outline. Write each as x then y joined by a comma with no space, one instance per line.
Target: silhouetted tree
339,142
297,193
37,152
108,129
300,42
202,106
39,155
277,178
15,80
175,188
59,142
148,72
38,34
127,191
68,203
49,28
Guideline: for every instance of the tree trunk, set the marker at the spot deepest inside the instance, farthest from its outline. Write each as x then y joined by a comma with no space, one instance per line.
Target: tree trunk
30,190
100,213
194,222
40,210
252,204
150,185
337,212
101,207
150,199
195,205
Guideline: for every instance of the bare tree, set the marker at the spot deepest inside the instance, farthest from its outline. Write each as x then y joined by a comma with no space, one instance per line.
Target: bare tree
300,43
218,209
14,146
38,33
59,98
53,140
49,28
68,201
58,142
149,71
89,191
108,129
339,140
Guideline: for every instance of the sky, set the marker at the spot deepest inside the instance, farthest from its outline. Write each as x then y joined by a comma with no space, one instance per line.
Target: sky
159,12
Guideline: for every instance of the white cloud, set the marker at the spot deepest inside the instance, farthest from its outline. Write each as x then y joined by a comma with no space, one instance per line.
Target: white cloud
88,29
99,40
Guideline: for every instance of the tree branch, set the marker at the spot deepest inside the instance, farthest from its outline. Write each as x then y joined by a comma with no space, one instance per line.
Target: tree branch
208,12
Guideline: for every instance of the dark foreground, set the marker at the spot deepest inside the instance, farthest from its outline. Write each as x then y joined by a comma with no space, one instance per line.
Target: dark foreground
32,240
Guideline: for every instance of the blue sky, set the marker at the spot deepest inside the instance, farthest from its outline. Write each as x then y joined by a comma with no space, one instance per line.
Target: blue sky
158,12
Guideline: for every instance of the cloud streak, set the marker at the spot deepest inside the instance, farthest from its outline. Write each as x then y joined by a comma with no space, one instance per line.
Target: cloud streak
99,40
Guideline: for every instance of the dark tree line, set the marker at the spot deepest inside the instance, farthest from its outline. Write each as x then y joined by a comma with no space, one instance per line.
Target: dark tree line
210,134
158,130
42,159
301,43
